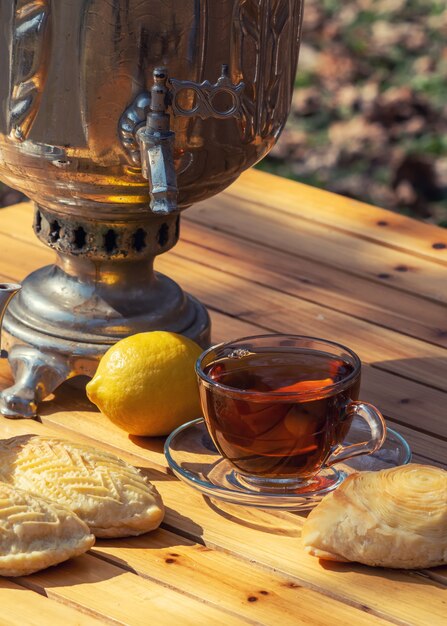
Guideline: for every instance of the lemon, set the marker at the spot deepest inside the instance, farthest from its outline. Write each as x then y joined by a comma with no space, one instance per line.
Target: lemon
146,383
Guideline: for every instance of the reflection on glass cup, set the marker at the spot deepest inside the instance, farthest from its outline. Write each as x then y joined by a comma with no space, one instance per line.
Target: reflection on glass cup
278,407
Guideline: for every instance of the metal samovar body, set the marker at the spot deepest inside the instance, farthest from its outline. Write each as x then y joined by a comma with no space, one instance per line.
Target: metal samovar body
114,117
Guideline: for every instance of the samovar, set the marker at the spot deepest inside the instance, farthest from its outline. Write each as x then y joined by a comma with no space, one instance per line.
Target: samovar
116,115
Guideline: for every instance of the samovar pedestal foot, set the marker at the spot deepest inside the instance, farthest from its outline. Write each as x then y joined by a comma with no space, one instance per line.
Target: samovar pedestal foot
67,315
41,362
36,375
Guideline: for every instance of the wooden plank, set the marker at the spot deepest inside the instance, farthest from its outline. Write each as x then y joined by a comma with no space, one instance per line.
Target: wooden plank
228,582
263,538
143,452
23,607
287,232
16,222
426,448
438,574
120,596
426,443
273,310
307,279
270,539
322,243
400,399
280,312
83,418
354,217
156,477
19,258
188,514
406,403
219,578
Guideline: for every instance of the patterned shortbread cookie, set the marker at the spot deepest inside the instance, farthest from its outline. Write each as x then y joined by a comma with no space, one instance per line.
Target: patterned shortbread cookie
111,496
36,533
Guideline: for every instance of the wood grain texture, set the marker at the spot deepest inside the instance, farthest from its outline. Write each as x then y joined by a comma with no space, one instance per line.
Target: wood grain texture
278,311
378,303
219,579
20,606
324,244
426,447
228,582
267,255
114,593
402,400
356,218
271,540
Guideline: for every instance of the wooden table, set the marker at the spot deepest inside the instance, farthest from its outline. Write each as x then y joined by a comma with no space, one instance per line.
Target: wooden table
267,255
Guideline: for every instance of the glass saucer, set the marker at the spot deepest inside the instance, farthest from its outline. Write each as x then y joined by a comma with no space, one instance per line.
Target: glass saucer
194,459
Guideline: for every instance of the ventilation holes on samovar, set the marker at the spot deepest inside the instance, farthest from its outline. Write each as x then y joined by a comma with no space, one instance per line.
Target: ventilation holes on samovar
139,240
38,222
163,235
55,231
110,244
79,238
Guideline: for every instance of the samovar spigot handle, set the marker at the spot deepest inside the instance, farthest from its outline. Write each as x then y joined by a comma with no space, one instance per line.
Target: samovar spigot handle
156,141
157,148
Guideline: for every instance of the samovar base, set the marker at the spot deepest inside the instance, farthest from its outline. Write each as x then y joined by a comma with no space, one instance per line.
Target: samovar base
40,363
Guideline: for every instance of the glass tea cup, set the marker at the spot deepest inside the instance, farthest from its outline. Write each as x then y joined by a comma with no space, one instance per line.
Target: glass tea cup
278,408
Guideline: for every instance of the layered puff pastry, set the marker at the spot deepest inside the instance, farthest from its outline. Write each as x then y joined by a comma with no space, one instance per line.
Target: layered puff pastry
112,497
36,533
392,518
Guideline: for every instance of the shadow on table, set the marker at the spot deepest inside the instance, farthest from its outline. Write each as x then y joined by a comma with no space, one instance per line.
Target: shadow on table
430,371
78,571
414,398
154,444
163,538
272,522
418,577
71,396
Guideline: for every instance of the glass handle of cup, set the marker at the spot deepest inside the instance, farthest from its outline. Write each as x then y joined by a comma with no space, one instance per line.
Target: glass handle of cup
377,426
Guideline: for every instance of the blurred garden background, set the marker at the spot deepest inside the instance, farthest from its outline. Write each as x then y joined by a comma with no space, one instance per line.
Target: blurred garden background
369,112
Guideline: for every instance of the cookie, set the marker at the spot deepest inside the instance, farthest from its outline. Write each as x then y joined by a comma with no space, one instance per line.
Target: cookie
36,533
111,496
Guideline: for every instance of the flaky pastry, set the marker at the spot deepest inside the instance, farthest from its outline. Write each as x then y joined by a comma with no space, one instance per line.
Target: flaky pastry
392,518
111,496
36,533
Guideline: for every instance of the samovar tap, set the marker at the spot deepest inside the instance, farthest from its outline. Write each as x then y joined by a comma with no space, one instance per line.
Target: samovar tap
156,142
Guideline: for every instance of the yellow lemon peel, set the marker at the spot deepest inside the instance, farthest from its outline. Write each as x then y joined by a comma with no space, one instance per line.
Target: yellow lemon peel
146,383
